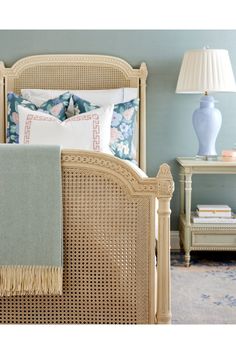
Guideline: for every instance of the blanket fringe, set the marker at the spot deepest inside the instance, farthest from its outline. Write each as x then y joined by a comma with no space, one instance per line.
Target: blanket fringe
30,280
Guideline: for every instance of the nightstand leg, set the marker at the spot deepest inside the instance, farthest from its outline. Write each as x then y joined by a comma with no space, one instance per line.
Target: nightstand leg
181,182
187,238
187,259
181,231
181,245
187,229
181,237
188,198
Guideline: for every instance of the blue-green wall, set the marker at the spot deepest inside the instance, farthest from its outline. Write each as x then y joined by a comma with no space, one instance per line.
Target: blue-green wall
169,125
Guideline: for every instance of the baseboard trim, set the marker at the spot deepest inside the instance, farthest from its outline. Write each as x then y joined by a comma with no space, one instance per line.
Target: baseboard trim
174,240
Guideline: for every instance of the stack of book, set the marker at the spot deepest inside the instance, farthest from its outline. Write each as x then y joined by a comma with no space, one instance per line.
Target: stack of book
211,214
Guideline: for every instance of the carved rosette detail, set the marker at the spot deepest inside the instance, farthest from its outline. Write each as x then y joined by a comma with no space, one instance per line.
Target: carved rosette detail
165,181
164,171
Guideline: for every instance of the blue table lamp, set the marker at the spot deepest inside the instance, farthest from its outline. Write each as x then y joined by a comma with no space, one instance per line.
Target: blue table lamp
203,71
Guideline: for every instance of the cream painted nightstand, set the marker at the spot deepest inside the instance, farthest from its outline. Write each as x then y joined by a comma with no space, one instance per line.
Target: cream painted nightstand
196,237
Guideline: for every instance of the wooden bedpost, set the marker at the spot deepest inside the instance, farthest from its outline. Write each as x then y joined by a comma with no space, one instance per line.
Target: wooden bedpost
142,125
2,103
165,191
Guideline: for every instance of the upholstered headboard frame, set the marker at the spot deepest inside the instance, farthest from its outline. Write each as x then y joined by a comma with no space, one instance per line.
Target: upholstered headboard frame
75,72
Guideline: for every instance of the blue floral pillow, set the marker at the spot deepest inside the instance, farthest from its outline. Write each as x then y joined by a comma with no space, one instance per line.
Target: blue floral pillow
56,107
122,125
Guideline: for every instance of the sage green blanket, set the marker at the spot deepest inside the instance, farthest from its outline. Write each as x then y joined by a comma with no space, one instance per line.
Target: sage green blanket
30,220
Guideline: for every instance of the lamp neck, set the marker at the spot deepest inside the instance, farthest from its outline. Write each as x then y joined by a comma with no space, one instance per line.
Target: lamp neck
207,102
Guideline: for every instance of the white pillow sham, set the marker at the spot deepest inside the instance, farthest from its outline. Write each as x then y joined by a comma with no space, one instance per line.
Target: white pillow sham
97,97
87,131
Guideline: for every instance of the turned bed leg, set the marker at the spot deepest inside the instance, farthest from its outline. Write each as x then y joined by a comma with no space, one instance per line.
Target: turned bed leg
163,265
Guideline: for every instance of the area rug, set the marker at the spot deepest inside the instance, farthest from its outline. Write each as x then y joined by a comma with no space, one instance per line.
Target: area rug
204,293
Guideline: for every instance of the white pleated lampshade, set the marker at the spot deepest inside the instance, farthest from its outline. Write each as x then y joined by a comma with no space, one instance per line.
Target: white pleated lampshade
206,70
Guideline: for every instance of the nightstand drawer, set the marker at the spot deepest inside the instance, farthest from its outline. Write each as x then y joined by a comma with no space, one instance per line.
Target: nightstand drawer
216,240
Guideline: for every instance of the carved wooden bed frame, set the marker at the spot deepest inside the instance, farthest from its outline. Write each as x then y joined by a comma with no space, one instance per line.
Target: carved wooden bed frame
111,212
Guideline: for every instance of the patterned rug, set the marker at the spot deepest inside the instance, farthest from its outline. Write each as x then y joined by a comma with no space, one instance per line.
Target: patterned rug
204,293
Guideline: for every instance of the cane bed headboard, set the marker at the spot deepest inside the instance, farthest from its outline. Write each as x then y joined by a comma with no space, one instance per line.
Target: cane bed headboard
76,72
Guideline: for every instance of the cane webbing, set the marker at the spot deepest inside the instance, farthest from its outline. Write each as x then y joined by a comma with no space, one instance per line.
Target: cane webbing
71,77
106,258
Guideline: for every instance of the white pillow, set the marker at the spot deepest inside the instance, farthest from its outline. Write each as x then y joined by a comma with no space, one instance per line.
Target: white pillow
87,131
97,97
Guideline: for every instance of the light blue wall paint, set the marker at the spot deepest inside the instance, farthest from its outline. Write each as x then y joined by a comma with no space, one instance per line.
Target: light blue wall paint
169,122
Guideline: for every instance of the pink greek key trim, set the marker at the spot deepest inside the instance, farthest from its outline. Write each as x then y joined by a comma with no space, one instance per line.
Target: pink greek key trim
94,117
28,125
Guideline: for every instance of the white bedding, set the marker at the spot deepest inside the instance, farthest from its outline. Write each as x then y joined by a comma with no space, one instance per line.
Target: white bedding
97,97
87,131
136,168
